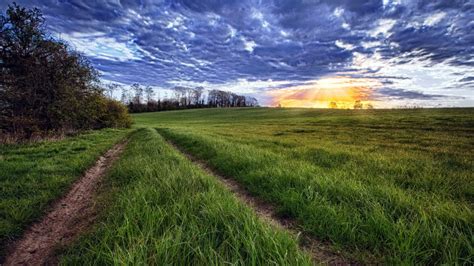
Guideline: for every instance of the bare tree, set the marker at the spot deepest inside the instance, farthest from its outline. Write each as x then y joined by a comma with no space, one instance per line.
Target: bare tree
358,104
196,95
111,88
149,93
138,89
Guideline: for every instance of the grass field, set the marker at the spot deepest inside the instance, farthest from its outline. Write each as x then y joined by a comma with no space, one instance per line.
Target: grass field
394,183
166,211
33,175
392,186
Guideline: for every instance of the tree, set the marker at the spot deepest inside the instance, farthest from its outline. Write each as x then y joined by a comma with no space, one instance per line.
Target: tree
125,96
44,86
333,105
149,93
369,106
111,88
196,95
138,89
358,104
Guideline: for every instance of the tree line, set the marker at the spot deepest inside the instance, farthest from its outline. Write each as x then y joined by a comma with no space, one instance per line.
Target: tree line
139,98
45,86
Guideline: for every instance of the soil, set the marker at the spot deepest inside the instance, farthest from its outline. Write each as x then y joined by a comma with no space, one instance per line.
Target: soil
67,218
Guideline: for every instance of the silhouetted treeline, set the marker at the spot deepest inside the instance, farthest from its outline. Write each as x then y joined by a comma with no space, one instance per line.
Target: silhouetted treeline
141,99
44,85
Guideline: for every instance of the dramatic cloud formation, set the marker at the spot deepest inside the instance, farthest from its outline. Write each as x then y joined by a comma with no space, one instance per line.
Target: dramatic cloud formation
395,51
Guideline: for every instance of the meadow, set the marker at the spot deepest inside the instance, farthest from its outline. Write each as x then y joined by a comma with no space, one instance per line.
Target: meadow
163,210
34,175
387,186
395,184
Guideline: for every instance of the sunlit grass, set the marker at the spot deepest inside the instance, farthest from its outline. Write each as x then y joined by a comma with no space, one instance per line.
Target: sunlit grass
33,175
161,209
395,183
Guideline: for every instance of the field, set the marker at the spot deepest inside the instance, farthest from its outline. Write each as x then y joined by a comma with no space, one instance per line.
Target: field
393,186
397,184
166,211
33,175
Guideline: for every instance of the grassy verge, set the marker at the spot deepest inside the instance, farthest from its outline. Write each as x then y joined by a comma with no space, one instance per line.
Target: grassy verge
32,175
398,184
167,211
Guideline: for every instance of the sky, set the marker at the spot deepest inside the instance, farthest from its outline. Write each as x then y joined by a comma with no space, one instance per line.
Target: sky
305,53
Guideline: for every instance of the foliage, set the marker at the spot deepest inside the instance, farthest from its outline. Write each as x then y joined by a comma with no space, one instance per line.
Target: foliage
44,86
183,98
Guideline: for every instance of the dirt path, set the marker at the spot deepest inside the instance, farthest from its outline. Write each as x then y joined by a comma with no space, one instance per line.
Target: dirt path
321,252
68,217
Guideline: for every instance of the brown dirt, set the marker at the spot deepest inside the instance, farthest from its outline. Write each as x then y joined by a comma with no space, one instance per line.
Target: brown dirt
68,217
321,252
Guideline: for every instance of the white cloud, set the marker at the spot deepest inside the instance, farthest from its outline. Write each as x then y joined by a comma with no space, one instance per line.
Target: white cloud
434,19
368,45
419,75
343,45
383,27
249,45
338,12
100,46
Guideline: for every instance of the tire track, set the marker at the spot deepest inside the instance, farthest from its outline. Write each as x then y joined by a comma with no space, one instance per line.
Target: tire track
320,251
68,217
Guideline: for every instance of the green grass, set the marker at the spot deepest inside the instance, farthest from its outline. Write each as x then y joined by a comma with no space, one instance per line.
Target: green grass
395,183
161,209
33,175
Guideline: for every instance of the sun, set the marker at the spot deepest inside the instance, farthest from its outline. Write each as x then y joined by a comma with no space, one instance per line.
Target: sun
329,92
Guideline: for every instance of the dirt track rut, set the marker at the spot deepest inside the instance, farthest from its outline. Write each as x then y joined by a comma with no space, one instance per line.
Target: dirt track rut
68,217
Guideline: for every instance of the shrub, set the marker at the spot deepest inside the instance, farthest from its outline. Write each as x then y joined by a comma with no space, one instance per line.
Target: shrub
45,86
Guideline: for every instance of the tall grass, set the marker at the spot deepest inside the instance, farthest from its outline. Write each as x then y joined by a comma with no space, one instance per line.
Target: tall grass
32,175
397,184
164,210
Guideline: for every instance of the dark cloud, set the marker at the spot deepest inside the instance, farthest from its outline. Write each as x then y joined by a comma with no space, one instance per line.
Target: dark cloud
221,41
401,94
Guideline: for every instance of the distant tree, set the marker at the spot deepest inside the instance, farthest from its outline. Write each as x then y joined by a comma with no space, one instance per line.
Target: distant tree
358,105
149,93
251,102
196,95
111,88
369,106
138,90
125,97
333,105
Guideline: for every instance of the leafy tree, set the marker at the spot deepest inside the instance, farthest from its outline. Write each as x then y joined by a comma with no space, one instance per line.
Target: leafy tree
44,86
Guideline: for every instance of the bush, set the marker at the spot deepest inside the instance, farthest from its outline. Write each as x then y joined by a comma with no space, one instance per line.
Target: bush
115,114
45,86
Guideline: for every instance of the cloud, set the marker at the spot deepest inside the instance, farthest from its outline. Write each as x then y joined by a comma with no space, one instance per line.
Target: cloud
419,44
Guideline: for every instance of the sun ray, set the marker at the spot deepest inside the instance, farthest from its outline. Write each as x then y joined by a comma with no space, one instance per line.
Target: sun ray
337,91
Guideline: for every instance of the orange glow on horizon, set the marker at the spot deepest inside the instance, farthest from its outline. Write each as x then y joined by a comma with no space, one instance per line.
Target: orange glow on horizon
344,91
